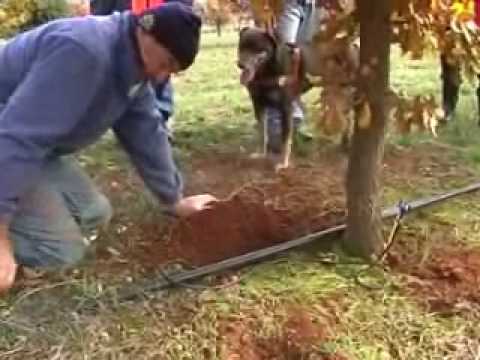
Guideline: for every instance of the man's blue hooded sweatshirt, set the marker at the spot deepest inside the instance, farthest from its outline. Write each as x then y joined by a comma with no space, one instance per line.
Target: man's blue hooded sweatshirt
62,86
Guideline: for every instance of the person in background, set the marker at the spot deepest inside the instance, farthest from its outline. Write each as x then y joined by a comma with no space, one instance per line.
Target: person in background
451,76
295,26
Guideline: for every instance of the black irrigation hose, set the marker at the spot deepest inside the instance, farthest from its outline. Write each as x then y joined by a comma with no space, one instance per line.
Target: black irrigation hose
256,256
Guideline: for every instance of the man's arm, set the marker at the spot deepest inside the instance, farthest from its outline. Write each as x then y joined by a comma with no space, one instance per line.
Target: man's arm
142,132
164,97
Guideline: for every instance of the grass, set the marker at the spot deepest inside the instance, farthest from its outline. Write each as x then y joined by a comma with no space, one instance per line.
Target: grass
213,115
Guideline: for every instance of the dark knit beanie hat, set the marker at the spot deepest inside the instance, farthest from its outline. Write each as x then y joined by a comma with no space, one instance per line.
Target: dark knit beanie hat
175,26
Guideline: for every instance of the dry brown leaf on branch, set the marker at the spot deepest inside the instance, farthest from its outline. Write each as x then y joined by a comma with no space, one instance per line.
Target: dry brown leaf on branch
266,12
364,117
218,11
334,121
335,110
443,25
420,113
408,114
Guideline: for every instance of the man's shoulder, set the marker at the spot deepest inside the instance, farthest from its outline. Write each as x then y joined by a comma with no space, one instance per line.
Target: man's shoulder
90,33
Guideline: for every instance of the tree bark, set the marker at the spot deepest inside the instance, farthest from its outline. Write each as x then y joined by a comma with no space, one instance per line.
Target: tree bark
364,236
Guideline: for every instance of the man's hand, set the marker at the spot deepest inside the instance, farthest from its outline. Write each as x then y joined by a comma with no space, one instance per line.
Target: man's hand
8,266
192,204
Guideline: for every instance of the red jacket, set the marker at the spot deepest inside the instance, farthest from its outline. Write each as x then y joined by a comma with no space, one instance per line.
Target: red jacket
477,12
140,5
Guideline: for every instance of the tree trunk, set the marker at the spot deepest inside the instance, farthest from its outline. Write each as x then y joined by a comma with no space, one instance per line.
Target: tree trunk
364,236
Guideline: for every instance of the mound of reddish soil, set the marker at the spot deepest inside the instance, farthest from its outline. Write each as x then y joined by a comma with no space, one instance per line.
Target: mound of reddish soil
253,218
236,227
272,209
452,277
298,339
449,279
231,228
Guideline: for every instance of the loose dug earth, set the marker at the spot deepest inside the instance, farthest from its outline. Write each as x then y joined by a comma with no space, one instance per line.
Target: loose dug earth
272,208
300,338
448,281
258,215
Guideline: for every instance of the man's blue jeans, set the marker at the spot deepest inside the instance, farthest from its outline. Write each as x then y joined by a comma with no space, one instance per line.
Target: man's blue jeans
56,214
294,24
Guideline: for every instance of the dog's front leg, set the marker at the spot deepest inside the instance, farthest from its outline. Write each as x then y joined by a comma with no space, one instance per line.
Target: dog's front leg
287,135
262,128
264,135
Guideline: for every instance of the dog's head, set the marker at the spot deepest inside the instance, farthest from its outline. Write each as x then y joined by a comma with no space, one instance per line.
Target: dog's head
255,48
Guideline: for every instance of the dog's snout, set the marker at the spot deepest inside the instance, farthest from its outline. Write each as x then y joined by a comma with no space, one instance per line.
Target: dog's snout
240,65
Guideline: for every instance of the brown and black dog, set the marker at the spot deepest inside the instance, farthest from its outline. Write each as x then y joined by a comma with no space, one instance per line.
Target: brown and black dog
274,75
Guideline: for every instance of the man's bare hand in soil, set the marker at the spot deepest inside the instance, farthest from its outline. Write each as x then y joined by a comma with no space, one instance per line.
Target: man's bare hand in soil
8,266
192,204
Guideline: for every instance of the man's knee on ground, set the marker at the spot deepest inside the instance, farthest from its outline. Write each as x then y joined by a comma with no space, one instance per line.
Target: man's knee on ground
97,214
63,250
66,254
